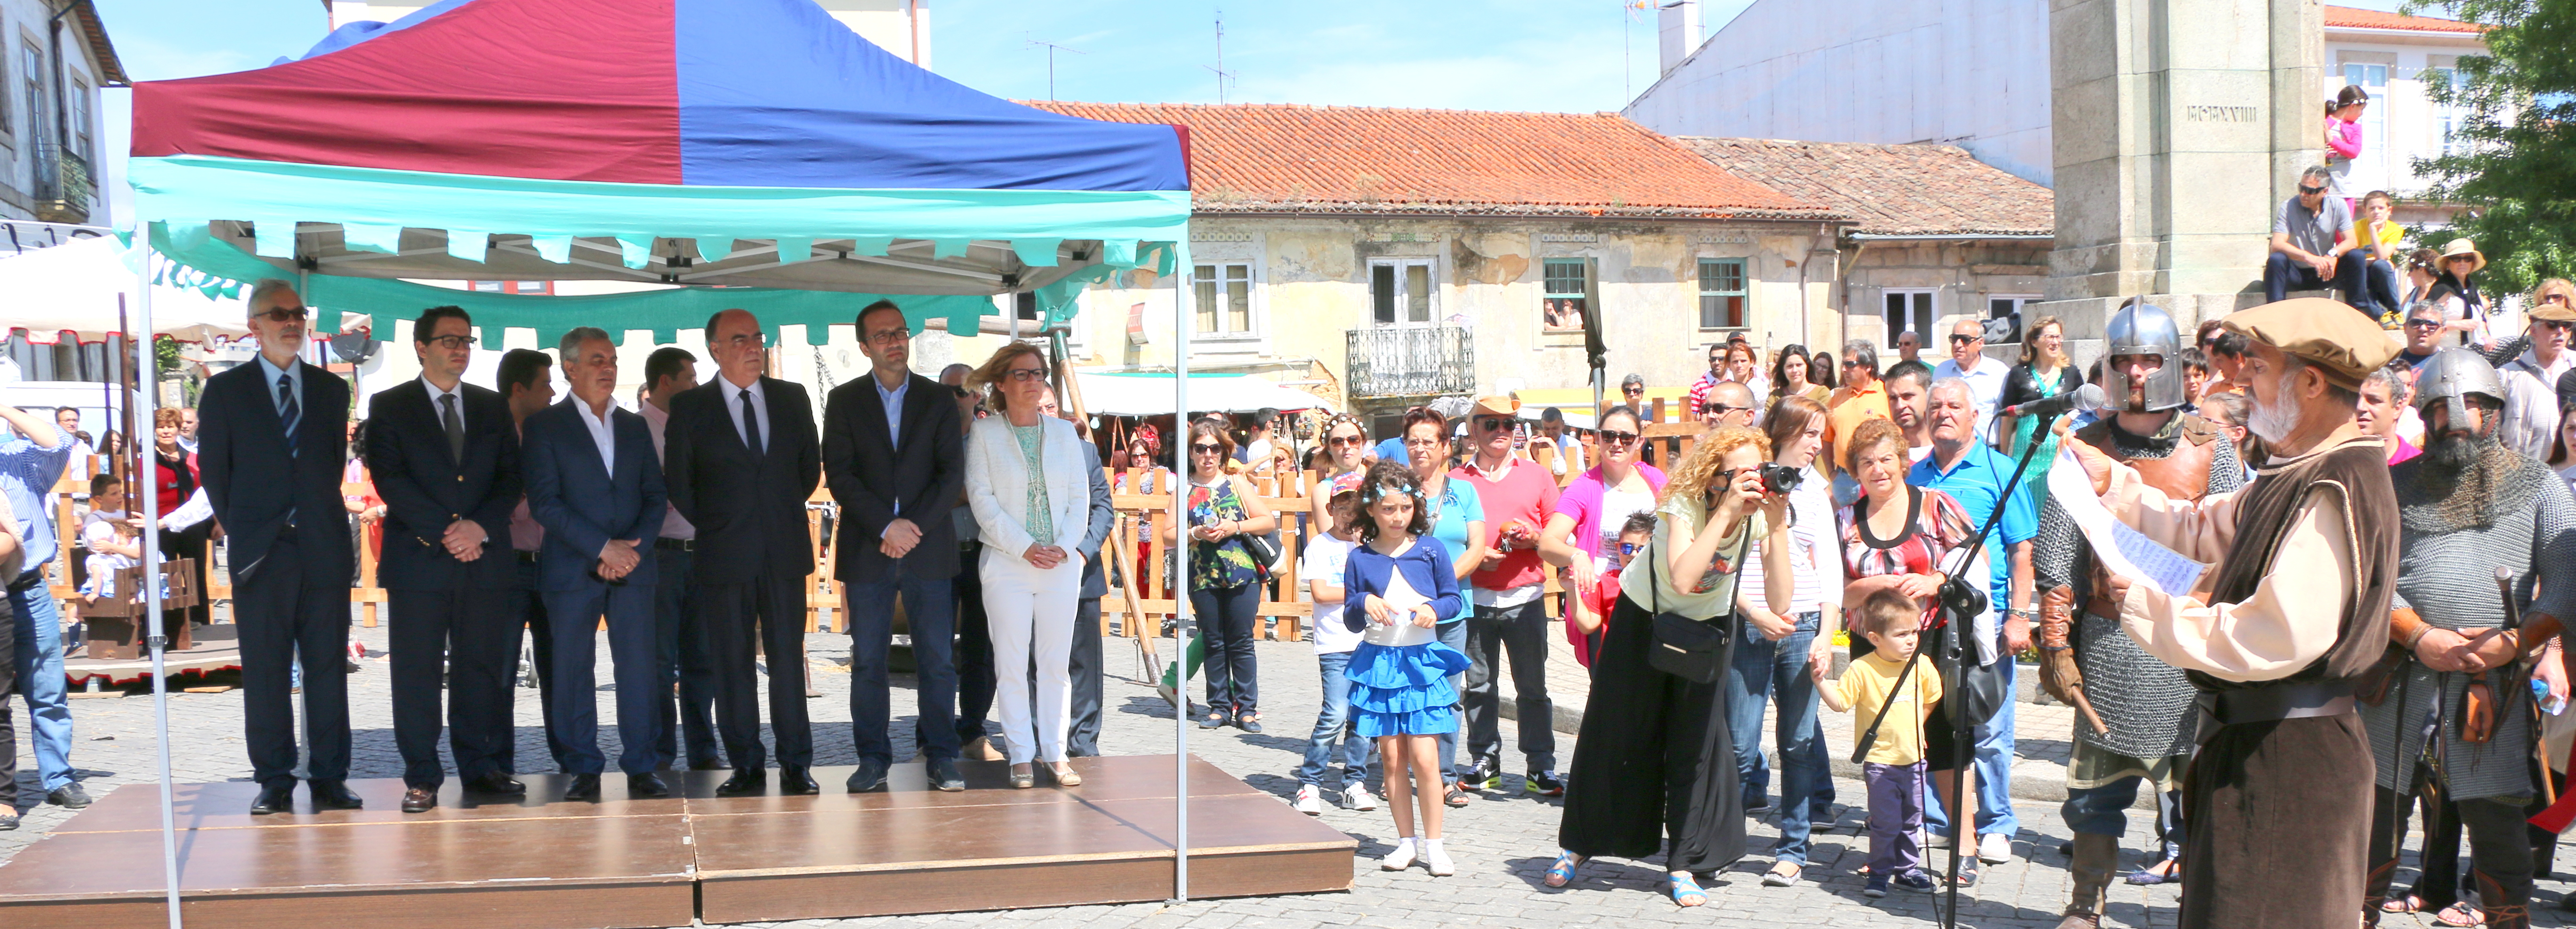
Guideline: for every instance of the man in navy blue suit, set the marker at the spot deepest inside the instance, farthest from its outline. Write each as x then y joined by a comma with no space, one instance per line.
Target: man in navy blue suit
272,437
596,486
445,457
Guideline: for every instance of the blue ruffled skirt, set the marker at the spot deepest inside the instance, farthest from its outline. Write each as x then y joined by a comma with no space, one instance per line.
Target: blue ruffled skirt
1404,690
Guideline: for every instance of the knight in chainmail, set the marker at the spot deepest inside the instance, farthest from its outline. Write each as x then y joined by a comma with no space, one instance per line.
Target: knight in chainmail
2145,703
2468,505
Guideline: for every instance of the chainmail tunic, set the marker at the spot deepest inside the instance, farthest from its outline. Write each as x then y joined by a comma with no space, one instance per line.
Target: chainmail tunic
2146,703
2449,578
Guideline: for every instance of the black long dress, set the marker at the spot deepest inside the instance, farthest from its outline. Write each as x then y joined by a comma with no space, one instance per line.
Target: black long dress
1654,758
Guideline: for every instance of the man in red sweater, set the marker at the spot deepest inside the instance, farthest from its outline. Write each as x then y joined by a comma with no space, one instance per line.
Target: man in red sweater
1510,615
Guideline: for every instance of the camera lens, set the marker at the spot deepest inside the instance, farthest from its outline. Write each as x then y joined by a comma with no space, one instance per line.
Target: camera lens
1780,479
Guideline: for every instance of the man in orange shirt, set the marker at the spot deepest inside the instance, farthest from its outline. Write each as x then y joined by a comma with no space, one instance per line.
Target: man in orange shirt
1861,397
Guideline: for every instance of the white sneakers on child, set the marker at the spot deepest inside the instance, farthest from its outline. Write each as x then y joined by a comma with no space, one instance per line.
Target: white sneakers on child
1310,800
1399,859
1359,798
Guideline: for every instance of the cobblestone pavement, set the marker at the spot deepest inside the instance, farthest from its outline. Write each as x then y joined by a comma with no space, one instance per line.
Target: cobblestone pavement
1502,841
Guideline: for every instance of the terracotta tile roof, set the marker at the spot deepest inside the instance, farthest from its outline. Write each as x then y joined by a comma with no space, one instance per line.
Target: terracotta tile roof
1290,158
2344,17
1892,189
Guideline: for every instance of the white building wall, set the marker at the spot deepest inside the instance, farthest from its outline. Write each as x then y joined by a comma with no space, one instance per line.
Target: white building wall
2402,122
1967,72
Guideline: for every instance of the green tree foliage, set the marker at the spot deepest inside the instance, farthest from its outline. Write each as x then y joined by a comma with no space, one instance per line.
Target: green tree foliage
2517,174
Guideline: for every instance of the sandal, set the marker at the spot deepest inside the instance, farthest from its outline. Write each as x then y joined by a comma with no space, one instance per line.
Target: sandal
1562,872
1457,796
1684,890
2409,903
1783,874
2162,872
2460,914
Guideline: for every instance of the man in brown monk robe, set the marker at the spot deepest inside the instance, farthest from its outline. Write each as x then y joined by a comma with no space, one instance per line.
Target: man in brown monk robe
2279,795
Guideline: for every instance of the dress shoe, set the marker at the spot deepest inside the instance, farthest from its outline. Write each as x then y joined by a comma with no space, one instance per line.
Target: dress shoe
584,789
794,781
646,786
871,775
69,796
274,798
335,795
419,800
1064,775
747,782
496,784
944,776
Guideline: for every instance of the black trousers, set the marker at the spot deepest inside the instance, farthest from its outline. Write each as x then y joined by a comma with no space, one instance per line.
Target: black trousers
473,629
2499,851
527,611
282,607
682,657
1083,740
770,611
974,652
1517,634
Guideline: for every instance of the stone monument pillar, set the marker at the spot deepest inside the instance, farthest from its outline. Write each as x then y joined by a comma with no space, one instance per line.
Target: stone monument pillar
2179,127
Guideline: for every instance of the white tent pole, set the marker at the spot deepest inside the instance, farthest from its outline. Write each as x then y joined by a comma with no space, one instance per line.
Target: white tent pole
1181,602
147,377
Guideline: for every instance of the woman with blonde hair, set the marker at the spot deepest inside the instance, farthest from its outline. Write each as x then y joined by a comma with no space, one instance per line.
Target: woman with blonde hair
1655,757
1031,496
2045,371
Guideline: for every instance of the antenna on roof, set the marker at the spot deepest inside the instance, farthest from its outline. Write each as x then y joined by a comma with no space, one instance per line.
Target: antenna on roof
1053,48
1222,75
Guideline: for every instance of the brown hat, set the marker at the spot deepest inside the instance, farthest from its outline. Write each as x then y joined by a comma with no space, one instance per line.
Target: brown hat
2462,248
1498,405
2342,343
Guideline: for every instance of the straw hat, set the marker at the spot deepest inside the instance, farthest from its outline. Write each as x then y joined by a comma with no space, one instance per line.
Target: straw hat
2463,247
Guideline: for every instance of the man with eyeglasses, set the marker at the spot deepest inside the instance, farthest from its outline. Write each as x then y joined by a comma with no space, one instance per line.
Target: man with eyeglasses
894,454
1909,347
1861,397
1510,616
2423,333
445,457
1697,401
2305,237
1968,362
275,436
2531,381
1729,404
742,457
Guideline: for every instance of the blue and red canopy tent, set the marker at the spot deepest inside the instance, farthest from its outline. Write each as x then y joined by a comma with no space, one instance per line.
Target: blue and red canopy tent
756,143
752,143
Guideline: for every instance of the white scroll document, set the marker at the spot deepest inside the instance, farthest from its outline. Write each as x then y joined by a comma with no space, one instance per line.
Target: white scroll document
2120,549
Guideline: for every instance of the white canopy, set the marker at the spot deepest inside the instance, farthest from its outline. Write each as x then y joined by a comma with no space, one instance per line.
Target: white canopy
1108,393
73,288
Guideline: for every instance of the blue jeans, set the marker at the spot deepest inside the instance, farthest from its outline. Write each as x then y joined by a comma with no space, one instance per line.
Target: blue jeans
930,613
1993,764
1761,669
1334,720
39,664
2282,274
2104,810
1454,635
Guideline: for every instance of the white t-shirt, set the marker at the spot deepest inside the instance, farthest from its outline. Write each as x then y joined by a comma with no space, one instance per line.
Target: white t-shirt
1324,560
1616,507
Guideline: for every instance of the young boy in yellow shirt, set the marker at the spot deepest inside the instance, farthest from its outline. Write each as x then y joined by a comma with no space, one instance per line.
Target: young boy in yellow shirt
1893,768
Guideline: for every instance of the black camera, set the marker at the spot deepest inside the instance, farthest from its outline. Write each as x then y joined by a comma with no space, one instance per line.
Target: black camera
1780,479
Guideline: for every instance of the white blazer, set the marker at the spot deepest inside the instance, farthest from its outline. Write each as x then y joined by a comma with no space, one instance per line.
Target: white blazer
997,484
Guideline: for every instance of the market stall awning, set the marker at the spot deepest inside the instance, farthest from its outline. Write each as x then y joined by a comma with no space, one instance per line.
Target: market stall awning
754,144
1109,393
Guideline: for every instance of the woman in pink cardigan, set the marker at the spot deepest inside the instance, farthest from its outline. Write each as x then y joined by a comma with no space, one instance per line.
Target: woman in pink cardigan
1590,511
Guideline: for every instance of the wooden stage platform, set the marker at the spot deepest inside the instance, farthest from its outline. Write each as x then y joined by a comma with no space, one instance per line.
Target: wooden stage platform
547,864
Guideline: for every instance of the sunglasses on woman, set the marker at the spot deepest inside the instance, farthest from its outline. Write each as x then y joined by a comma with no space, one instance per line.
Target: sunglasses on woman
1617,437
1200,448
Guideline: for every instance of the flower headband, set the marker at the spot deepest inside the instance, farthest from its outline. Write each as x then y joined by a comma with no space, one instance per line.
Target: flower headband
1379,491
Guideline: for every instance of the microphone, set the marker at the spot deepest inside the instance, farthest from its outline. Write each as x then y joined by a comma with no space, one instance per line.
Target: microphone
2086,398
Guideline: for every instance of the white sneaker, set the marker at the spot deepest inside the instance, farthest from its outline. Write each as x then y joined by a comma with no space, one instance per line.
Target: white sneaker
1399,859
1358,797
1310,801
1995,848
1932,839
1438,860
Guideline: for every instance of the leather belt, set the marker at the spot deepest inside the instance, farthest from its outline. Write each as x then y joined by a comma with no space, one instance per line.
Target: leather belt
969,548
2102,607
676,545
2271,703
527,557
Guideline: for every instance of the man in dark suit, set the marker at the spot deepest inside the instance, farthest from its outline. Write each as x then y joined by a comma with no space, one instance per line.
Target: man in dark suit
742,460
445,458
596,487
526,379
274,435
1083,740
895,456
680,647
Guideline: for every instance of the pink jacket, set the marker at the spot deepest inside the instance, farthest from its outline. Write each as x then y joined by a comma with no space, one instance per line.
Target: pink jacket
2344,138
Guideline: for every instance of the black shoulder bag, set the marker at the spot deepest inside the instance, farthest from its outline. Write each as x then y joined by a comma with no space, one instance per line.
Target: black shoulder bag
1691,649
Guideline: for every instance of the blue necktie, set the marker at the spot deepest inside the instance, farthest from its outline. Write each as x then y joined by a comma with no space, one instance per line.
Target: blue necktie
287,410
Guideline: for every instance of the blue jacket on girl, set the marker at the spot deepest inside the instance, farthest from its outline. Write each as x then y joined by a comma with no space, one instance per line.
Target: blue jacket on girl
1402,689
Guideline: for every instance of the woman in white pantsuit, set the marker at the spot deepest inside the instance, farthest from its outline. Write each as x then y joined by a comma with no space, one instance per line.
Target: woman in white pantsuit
1025,482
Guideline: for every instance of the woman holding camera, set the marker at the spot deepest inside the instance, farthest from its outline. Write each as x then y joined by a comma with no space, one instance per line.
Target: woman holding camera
1778,646
1655,757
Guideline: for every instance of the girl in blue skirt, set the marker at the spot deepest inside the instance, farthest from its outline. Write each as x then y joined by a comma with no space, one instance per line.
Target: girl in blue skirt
1397,587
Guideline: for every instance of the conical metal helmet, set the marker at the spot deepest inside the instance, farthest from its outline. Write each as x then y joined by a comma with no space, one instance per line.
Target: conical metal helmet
2143,328
2449,377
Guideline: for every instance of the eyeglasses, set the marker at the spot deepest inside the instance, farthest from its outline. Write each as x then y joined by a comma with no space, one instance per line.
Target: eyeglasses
1632,390
890,336
1616,437
2423,324
1629,548
1202,448
2556,325
1493,423
1956,339
452,342
749,340
961,392
1342,440
2554,298
1720,409
2311,191
283,314
1025,375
